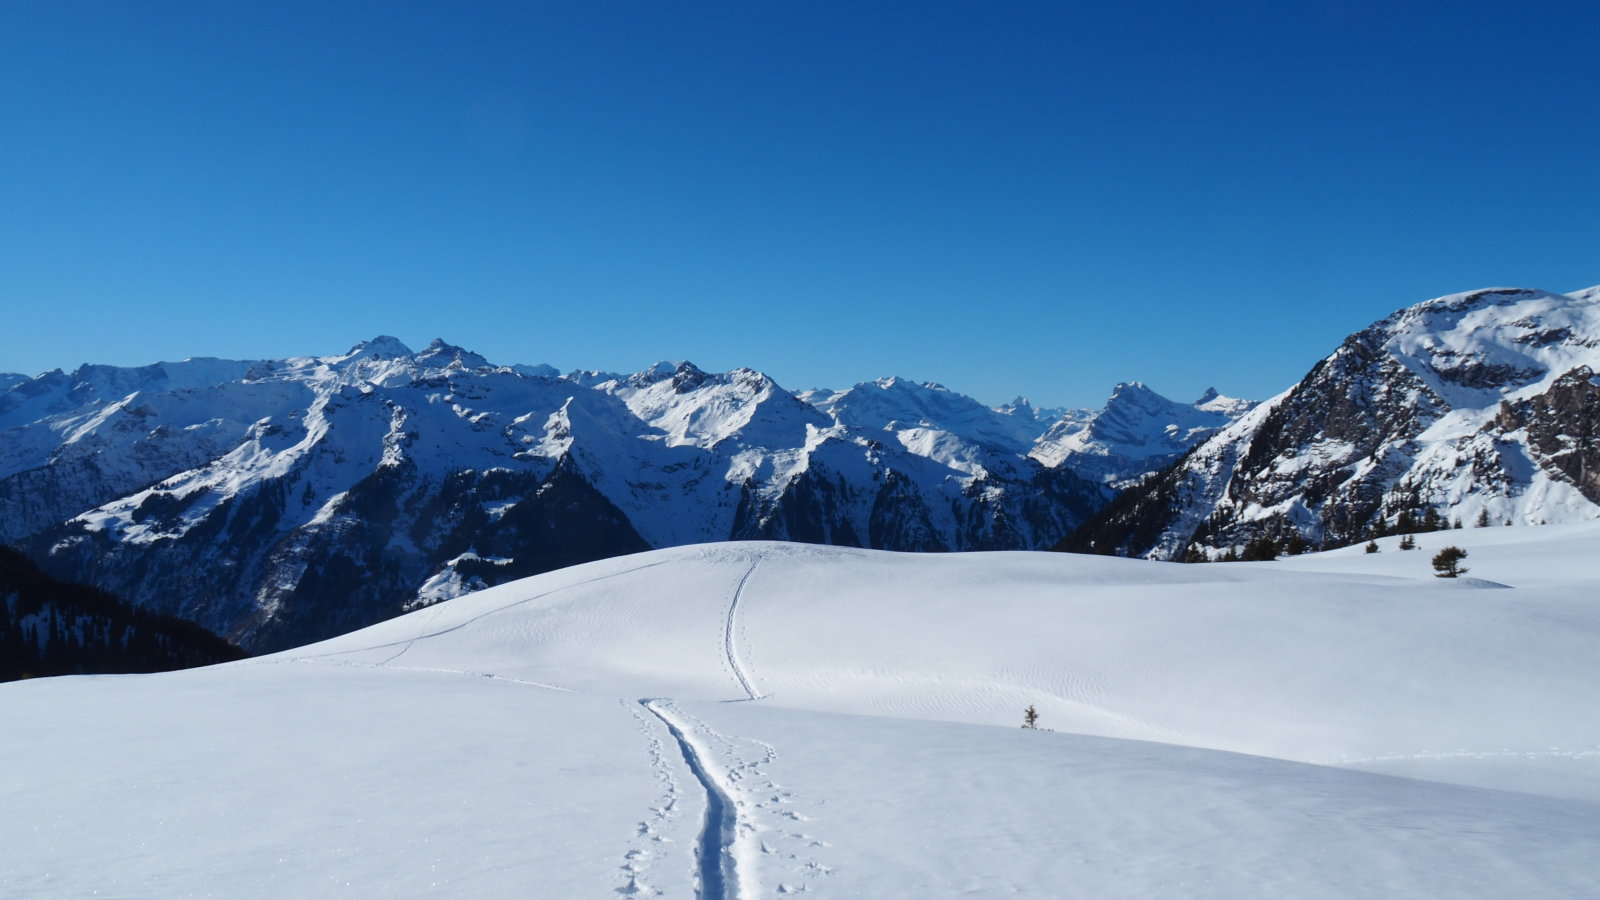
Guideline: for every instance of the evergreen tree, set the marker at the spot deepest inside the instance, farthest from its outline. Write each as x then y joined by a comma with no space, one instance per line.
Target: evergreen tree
1030,718
1447,562
1409,542
1372,546
1260,549
1483,519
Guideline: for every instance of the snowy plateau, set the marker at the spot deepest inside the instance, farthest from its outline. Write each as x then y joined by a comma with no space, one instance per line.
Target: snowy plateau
761,719
278,502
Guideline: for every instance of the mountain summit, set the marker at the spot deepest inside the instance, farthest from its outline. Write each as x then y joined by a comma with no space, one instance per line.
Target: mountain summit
1476,407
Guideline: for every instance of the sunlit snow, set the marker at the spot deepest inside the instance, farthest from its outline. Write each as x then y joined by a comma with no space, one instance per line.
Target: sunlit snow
1335,725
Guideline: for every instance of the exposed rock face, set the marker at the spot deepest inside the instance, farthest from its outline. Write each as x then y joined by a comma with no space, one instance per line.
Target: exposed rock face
1469,405
1563,429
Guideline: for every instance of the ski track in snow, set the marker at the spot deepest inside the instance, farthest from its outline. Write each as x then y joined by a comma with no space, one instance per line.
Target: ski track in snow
749,816
729,637
718,863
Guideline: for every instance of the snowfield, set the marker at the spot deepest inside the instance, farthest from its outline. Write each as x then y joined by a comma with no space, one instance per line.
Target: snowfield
757,719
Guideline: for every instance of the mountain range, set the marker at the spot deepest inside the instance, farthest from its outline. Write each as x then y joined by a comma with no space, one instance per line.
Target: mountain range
277,502
281,501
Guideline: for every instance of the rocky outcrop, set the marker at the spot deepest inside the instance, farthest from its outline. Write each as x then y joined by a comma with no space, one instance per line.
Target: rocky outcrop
1467,407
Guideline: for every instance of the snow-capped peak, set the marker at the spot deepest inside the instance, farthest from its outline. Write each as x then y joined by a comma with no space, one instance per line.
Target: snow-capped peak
381,347
1136,432
440,355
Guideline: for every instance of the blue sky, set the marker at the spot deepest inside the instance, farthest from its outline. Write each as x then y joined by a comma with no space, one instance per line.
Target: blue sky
1031,198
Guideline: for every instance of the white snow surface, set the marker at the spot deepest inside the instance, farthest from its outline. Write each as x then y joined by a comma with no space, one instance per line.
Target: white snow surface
1335,725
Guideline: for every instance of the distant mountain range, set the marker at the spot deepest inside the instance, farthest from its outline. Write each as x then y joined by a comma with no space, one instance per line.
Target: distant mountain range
277,502
281,501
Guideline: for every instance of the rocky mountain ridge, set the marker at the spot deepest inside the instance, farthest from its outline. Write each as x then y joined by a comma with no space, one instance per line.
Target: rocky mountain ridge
1480,406
279,501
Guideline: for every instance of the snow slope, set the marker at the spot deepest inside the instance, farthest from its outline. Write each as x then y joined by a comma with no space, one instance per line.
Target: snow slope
747,720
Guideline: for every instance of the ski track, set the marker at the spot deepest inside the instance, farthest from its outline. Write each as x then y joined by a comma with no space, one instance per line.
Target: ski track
717,864
729,637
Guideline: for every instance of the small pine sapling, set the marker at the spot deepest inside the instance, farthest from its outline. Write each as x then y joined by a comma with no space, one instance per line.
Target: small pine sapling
1030,718
1372,546
1447,562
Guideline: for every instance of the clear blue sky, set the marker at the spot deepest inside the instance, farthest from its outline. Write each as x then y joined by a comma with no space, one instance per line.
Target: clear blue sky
1009,198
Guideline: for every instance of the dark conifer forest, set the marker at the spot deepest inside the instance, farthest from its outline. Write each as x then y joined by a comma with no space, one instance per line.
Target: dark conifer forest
54,627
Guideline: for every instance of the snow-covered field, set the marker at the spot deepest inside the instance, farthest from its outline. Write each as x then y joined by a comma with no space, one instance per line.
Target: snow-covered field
749,720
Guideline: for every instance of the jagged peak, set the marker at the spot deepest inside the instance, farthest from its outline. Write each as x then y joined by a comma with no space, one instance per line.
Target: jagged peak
1135,394
903,384
445,355
383,346
680,370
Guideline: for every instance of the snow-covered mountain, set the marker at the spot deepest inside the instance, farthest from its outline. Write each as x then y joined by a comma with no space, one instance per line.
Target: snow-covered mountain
748,720
279,501
1474,407
1138,432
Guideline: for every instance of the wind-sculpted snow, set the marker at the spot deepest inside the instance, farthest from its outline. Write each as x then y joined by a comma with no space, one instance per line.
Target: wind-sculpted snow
1342,724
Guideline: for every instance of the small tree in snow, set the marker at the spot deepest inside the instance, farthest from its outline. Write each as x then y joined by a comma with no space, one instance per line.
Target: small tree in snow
1409,542
1372,546
1447,562
1030,717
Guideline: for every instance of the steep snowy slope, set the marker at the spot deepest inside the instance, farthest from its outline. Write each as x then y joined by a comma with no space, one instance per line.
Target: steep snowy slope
1476,404
746,720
